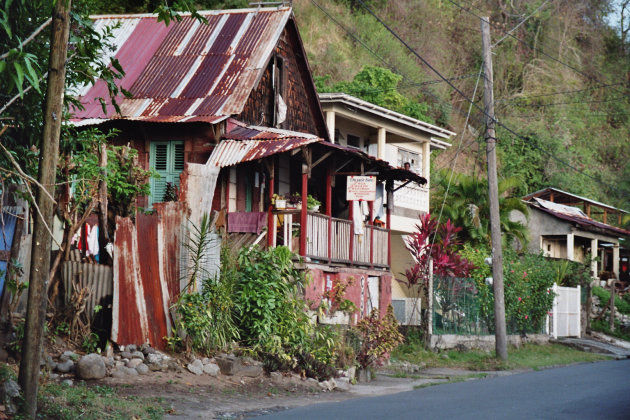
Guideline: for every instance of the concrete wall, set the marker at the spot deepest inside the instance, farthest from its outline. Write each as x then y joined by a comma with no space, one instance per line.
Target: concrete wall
481,342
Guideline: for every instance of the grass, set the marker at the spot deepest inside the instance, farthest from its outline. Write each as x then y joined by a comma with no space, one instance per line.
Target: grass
95,402
622,304
603,326
528,356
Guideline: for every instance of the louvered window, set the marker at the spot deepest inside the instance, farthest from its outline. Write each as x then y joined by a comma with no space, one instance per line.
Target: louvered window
167,159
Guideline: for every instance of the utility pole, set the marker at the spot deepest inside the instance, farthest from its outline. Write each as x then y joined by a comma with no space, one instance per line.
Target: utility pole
493,192
40,250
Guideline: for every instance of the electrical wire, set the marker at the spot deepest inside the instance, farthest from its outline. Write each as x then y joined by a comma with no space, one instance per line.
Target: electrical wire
622,98
508,129
381,59
520,23
527,44
566,92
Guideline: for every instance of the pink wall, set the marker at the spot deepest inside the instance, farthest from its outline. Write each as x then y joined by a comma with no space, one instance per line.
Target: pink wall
319,277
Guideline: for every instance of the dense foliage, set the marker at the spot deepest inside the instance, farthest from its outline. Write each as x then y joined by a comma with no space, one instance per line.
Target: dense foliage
380,87
528,280
464,200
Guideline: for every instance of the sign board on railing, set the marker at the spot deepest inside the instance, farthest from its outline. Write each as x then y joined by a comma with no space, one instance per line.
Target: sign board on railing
361,188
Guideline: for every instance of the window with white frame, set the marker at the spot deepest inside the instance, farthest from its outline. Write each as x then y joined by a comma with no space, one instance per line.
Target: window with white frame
413,158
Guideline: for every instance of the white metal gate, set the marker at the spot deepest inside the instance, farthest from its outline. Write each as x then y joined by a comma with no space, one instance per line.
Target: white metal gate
566,316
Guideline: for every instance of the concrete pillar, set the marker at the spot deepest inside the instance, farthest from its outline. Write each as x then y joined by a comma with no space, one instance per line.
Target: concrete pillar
380,143
616,260
570,247
593,255
330,122
426,161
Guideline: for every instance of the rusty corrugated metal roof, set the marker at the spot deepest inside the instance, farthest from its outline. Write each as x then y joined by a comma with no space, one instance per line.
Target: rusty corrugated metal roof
576,216
187,71
244,143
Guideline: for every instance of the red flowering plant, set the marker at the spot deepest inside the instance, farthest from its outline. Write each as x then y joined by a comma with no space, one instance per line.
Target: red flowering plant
437,242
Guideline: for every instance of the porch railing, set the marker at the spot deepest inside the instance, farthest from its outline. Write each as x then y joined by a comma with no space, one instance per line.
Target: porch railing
332,239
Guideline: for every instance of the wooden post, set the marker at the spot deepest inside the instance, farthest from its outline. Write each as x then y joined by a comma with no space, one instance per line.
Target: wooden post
329,176
303,215
389,185
270,225
495,225
611,321
40,251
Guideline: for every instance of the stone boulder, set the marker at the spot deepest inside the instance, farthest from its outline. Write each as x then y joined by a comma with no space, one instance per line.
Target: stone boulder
196,367
91,366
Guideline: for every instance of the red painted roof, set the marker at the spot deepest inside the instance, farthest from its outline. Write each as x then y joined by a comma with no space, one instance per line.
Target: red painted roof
187,71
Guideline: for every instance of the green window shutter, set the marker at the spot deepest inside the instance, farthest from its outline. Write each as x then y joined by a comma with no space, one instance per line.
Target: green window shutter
167,159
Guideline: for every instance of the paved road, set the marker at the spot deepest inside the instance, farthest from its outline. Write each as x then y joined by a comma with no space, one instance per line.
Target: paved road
587,391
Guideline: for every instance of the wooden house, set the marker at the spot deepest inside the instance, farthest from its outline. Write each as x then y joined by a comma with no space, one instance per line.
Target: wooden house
228,112
567,226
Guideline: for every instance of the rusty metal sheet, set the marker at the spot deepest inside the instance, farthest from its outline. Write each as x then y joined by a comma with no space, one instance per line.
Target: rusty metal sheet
150,273
172,216
147,272
215,65
129,319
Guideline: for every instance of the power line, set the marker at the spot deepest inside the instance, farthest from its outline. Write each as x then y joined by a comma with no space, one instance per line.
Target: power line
375,54
620,98
527,44
520,23
566,92
508,129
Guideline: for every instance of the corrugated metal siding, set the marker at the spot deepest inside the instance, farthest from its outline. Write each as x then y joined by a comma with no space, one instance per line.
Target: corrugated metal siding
146,274
232,152
97,278
216,64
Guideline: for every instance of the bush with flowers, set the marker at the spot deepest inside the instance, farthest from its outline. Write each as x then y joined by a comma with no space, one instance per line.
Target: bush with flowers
527,279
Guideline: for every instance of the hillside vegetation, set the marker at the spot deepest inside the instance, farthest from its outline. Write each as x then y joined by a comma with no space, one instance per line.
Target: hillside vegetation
560,81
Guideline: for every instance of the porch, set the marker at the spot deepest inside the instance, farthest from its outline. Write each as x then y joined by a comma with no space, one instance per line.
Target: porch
331,240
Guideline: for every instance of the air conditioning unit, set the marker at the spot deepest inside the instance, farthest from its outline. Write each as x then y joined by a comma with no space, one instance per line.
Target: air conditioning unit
404,310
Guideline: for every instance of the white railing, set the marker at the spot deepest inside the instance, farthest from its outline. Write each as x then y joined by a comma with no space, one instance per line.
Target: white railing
412,197
370,248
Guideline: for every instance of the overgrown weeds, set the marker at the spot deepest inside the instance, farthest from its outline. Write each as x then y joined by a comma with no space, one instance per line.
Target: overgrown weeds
527,356
57,401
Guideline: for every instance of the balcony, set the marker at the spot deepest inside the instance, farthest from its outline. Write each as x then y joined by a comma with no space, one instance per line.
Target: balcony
332,240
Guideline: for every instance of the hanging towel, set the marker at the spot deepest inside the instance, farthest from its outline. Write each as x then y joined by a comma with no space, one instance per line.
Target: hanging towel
246,222
92,241
357,217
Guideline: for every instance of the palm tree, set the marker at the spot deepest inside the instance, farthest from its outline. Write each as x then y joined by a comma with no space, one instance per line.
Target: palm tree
467,206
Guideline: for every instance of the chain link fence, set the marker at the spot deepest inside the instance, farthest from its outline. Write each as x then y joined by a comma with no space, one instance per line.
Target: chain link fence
457,309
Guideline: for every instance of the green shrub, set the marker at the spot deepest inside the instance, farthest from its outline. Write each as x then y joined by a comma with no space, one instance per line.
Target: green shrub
528,280
273,316
622,304
208,317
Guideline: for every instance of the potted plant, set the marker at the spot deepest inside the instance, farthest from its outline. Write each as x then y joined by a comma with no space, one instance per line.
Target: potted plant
279,202
295,201
312,203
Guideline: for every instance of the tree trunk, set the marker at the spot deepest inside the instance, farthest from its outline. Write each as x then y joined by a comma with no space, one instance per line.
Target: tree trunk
40,252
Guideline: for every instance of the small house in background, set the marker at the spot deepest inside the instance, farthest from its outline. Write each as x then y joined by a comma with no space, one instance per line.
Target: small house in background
402,142
227,114
567,226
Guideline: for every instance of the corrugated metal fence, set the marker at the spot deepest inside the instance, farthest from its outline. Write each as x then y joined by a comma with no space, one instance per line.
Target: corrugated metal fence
147,274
